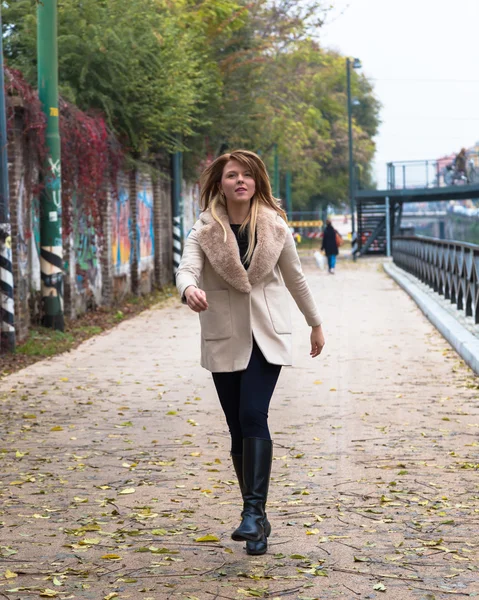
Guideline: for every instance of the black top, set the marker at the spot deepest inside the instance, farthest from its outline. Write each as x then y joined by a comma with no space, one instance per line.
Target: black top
242,241
330,245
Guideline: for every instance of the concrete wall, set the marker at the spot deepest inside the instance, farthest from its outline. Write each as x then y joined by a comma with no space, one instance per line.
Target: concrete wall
132,254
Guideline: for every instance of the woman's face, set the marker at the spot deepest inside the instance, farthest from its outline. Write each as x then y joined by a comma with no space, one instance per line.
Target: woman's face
237,183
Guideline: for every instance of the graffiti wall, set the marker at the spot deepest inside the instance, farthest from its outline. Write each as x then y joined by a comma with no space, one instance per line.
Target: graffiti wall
132,253
34,247
121,233
191,206
88,272
20,252
145,229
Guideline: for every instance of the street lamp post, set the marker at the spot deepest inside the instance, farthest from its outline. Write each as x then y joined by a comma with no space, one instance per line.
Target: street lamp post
355,64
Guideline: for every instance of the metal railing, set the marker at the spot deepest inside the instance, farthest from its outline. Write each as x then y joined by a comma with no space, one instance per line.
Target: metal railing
412,174
449,268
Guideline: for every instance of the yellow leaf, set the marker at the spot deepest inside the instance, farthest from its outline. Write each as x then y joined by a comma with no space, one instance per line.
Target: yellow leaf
56,428
195,454
47,593
79,500
89,541
208,538
9,574
17,482
128,491
333,390
312,532
56,581
63,378
111,557
318,382
110,596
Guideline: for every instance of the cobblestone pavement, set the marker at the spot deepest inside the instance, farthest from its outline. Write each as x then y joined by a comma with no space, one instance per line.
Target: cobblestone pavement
115,480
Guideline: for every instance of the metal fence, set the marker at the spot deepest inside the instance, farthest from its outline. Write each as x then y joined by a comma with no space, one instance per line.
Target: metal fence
411,174
449,268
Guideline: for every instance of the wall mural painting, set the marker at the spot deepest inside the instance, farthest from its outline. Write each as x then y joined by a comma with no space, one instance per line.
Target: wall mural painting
145,230
121,238
22,243
34,246
86,255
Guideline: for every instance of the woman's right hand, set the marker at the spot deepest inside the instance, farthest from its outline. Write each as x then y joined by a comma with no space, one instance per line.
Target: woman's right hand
196,299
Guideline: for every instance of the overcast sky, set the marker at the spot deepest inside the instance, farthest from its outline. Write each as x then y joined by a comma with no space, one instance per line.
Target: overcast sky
423,58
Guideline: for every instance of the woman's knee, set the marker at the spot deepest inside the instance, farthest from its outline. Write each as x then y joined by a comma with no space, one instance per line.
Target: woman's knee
254,423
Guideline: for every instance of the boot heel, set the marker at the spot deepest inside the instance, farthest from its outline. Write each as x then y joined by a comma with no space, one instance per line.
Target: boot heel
267,528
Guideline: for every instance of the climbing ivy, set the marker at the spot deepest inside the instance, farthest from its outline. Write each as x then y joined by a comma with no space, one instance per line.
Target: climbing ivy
90,156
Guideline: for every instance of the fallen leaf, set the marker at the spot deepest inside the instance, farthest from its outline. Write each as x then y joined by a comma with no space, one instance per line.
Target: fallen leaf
47,593
9,574
208,538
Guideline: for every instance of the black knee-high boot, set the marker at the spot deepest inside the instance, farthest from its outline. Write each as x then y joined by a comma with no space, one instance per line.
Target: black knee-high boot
257,458
252,548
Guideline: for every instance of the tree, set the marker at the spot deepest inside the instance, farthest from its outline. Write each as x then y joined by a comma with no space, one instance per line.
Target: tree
211,75
142,63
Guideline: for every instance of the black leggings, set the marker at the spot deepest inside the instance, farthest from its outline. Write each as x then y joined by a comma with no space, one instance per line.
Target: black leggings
245,397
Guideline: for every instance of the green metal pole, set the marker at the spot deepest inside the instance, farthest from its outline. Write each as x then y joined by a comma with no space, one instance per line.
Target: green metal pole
51,251
276,189
289,202
7,325
350,139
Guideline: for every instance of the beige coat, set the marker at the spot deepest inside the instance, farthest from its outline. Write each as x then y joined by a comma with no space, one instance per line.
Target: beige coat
245,302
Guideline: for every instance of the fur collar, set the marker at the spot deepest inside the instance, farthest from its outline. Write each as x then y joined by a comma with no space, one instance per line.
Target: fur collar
224,256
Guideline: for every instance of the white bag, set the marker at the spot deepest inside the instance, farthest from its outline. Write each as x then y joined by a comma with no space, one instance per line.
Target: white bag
320,260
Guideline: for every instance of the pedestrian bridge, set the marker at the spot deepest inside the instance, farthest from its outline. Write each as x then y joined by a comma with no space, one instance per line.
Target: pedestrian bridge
380,212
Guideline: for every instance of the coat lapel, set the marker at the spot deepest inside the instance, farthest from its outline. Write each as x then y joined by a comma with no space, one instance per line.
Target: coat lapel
224,256
270,238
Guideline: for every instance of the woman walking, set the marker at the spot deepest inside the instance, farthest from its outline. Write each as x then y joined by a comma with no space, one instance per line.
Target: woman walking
237,263
330,245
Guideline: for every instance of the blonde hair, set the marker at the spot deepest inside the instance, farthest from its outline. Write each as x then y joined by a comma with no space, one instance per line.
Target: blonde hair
211,196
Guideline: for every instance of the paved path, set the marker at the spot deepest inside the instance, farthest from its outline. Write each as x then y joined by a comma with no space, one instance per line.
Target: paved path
114,462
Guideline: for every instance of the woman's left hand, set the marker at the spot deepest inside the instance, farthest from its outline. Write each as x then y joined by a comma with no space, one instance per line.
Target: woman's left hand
317,341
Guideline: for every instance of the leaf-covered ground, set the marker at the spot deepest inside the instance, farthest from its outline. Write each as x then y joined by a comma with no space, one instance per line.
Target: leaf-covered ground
115,480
